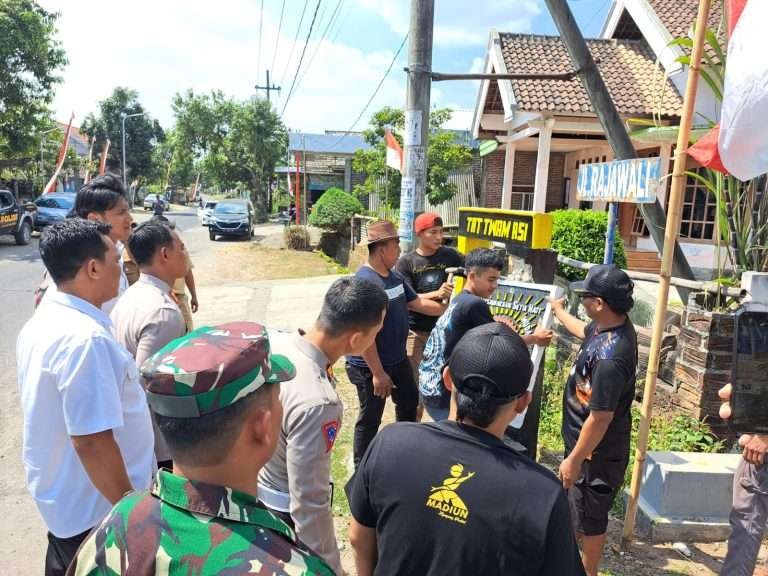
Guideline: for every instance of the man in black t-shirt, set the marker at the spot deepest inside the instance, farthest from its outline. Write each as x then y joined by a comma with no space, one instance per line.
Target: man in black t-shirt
597,419
450,497
466,311
424,269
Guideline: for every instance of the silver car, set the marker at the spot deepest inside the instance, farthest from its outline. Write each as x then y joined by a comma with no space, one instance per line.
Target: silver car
206,211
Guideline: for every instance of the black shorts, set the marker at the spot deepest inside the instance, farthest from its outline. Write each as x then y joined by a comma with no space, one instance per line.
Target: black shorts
591,497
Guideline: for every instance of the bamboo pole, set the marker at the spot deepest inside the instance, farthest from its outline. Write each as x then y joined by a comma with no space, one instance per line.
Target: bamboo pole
670,235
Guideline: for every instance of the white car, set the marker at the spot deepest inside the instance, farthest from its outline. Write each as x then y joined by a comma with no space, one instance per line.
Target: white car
206,211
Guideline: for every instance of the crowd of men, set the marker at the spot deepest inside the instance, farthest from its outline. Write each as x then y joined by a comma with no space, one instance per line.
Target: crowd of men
152,447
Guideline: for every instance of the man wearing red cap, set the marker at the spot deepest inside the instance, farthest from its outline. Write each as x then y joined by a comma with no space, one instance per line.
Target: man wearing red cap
424,269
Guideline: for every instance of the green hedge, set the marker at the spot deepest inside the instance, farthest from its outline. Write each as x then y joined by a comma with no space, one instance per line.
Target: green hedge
334,210
580,234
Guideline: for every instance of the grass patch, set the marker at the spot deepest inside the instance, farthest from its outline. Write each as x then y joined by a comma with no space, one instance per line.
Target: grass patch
241,262
331,262
341,456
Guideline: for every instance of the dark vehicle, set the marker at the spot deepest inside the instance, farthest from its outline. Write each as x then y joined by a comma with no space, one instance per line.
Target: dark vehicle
231,218
52,208
16,219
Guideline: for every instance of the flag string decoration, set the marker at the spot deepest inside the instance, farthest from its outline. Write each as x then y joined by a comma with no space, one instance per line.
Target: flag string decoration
51,186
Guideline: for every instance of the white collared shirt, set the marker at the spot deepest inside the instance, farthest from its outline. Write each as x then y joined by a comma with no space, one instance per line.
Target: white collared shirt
74,380
109,305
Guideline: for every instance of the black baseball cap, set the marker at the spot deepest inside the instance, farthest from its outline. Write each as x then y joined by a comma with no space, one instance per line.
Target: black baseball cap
491,364
609,283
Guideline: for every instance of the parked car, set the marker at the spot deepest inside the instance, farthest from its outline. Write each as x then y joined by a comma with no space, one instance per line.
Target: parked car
149,201
17,220
206,211
231,218
52,208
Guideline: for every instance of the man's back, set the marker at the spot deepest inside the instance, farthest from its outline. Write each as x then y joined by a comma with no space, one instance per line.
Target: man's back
448,498
185,527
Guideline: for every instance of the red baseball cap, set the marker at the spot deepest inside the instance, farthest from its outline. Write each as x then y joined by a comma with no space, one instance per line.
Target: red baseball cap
426,221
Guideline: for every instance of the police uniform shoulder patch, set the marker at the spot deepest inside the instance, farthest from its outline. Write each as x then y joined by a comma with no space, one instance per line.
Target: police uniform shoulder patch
330,430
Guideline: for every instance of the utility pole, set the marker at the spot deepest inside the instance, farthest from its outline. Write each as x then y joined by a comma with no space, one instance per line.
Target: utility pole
416,139
268,88
615,133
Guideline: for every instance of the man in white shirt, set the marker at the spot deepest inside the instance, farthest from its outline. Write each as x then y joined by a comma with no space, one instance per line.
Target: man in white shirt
87,429
146,318
102,199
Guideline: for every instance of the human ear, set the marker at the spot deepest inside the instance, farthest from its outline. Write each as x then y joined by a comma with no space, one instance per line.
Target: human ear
447,380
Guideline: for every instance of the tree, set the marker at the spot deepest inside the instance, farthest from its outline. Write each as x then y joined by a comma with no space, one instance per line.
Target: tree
444,154
142,134
232,143
30,60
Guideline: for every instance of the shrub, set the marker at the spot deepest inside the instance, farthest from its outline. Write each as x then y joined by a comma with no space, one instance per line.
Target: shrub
334,210
296,237
580,234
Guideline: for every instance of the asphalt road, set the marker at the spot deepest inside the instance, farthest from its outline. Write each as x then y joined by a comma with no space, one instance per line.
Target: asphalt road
22,532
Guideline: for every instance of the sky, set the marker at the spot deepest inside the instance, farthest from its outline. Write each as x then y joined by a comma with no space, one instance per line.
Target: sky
161,47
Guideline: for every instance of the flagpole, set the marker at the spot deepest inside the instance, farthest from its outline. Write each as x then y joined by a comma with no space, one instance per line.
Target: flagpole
670,236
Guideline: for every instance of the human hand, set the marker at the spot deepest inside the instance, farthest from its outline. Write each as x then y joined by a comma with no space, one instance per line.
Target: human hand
725,395
193,304
382,385
542,337
557,304
569,472
444,292
754,447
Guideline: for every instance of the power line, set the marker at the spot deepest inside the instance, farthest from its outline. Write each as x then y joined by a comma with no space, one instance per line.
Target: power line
331,20
258,54
301,58
277,42
340,27
293,46
375,92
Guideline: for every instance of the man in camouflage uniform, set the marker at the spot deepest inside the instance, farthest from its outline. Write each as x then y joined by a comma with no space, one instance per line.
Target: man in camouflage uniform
216,400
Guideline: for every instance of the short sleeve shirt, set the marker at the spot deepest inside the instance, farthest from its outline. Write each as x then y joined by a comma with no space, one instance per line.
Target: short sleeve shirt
75,380
452,499
466,311
390,342
603,379
427,274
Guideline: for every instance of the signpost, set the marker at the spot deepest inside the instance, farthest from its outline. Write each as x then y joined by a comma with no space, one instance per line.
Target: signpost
634,181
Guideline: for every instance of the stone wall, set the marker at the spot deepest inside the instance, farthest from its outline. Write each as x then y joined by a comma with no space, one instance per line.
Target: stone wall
704,362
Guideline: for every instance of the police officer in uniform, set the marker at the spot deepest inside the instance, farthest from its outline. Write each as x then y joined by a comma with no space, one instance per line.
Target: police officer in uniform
295,483
215,394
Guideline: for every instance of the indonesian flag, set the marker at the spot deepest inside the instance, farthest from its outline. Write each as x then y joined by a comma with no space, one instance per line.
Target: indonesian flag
394,152
103,163
88,165
739,145
51,186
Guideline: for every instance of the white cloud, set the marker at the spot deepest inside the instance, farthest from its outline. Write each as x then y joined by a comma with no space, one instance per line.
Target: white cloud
163,47
459,23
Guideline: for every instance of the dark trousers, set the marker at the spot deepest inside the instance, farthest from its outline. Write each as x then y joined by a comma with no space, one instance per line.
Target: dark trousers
405,395
61,552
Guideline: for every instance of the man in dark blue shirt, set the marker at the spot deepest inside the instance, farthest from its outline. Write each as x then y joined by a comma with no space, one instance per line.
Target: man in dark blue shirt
384,368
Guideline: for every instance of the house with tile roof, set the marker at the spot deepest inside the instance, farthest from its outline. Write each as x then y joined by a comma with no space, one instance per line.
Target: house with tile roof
547,129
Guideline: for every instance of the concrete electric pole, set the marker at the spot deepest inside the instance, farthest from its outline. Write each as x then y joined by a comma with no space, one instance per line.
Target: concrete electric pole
613,126
416,137
268,88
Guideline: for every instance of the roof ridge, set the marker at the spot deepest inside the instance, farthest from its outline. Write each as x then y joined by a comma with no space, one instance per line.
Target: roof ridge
588,40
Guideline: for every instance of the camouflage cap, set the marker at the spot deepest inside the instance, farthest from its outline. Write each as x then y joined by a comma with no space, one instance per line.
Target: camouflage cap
211,368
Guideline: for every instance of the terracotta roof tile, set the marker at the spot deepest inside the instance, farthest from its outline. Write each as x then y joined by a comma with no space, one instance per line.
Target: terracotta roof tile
678,16
629,69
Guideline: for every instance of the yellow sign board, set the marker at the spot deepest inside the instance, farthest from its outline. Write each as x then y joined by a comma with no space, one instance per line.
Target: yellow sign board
511,227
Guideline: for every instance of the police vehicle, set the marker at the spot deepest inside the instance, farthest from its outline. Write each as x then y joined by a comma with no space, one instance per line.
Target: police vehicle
16,219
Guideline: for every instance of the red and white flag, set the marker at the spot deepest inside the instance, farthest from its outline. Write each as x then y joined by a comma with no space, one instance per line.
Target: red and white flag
394,152
739,145
90,159
51,186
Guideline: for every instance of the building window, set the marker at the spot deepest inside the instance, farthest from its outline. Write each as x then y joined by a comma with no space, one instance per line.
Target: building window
699,211
522,197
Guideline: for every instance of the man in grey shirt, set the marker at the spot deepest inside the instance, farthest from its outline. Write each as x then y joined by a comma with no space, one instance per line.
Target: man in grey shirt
146,317
295,483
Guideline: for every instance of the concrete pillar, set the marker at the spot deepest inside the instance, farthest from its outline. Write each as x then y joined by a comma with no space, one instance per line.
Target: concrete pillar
509,173
542,165
348,175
